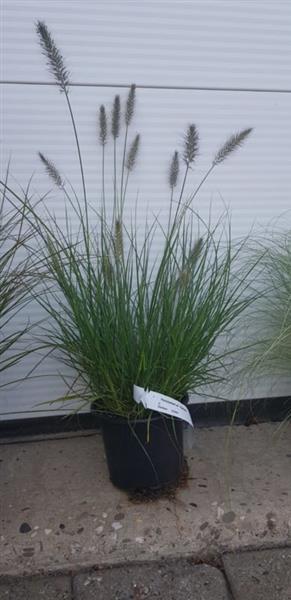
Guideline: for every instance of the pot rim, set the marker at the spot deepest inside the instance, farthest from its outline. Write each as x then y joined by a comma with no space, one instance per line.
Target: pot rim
116,420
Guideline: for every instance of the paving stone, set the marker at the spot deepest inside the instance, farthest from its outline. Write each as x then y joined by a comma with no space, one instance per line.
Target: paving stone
180,580
36,588
261,575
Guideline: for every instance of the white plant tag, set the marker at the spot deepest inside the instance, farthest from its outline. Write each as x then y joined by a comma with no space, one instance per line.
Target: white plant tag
161,403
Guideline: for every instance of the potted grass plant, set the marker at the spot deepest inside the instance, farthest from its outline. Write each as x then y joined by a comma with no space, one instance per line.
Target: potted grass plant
138,326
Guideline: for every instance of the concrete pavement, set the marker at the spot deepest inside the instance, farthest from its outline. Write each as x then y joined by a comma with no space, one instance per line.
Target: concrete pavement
61,515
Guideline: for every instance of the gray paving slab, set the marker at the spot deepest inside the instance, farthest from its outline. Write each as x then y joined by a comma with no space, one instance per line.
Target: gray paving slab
60,511
263,575
36,588
180,580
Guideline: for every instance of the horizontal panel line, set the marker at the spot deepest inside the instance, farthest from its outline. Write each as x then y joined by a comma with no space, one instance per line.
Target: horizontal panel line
154,87
63,411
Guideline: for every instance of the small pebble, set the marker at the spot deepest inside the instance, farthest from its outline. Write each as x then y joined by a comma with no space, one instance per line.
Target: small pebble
115,525
229,517
24,528
47,531
99,529
220,512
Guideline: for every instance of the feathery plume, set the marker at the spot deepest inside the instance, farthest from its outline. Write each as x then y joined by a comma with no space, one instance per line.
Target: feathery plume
174,170
51,170
184,276
132,153
115,126
54,57
196,251
190,145
233,142
107,269
118,239
102,125
130,104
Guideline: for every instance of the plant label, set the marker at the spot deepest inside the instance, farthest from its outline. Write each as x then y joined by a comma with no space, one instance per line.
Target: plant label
161,403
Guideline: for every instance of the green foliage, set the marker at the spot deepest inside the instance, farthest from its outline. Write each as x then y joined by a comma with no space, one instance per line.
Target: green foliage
16,275
119,320
273,311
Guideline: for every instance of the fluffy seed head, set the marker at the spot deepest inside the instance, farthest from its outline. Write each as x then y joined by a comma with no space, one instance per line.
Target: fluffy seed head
130,105
107,269
115,125
174,170
233,142
132,153
185,273
54,57
196,251
102,125
190,145
118,239
51,170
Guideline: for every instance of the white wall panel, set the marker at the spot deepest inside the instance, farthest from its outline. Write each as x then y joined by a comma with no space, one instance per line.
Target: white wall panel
204,44
255,181
220,43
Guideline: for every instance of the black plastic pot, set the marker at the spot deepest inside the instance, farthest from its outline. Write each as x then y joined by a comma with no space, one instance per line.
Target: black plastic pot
143,456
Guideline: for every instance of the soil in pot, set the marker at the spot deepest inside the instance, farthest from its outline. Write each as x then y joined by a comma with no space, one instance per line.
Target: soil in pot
142,455
166,492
